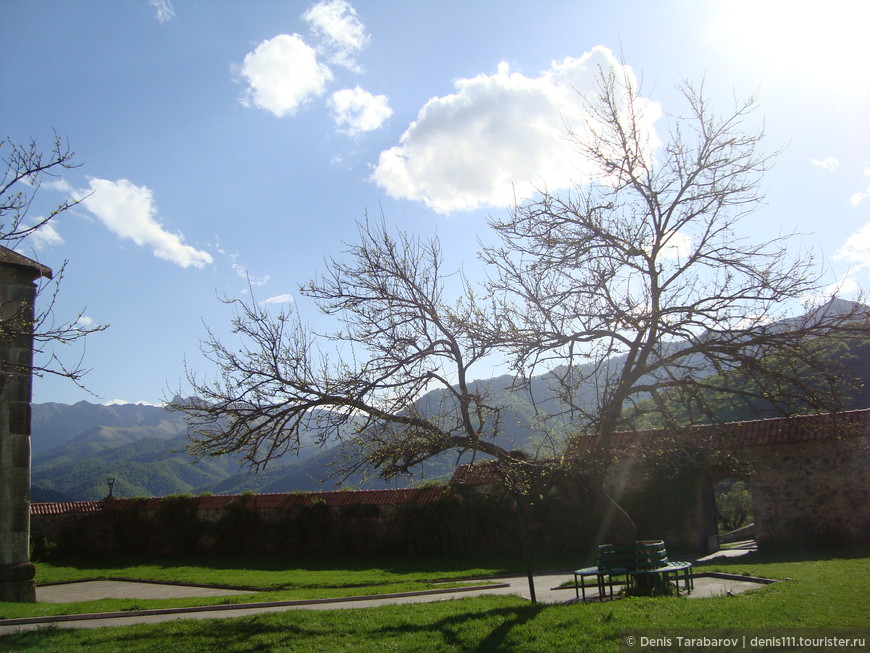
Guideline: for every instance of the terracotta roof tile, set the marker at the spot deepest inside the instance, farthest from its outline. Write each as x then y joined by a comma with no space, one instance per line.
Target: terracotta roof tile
476,474
257,501
351,498
152,503
209,502
62,508
782,430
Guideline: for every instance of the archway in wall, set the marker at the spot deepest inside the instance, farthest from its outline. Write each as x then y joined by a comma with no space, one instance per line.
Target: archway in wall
734,512
733,506
729,513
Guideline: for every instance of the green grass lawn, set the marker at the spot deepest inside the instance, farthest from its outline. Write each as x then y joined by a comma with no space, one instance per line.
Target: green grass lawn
269,580
822,592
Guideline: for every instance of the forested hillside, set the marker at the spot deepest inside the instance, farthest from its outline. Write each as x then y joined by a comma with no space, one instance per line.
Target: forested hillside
76,448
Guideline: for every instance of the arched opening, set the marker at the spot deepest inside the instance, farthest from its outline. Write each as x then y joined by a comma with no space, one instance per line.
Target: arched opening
731,519
733,505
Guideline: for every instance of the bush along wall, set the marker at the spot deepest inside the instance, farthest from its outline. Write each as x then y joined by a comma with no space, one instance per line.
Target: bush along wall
461,522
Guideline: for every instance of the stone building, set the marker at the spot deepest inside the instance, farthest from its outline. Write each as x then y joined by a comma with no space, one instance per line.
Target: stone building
18,286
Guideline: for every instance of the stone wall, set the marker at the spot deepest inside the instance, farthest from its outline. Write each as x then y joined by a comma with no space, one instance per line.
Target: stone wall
430,521
812,493
808,478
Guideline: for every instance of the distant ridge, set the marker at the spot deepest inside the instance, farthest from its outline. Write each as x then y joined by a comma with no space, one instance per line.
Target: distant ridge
77,447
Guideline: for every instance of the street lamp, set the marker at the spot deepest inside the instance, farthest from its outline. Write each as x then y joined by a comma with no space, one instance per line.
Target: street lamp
111,483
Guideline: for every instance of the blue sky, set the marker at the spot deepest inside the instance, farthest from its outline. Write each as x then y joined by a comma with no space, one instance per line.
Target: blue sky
223,139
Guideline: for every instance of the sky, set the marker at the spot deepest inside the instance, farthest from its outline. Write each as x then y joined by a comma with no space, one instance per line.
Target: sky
229,147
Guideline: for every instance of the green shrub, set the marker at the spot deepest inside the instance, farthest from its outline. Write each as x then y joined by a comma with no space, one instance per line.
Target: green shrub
733,505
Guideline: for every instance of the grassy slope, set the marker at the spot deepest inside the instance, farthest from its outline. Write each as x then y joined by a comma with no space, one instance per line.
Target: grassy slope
823,593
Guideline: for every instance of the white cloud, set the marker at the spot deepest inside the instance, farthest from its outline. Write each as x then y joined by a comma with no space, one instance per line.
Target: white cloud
844,287
856,253
164,9
84,322
339,31
129,211
124,402
859,197
61,185
675,245
244,273
856,249
282,74
278,299
749,321
500,137
47,235
358,110
44,236
829,163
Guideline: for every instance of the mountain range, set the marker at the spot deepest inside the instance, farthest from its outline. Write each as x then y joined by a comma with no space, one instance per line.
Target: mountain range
76,448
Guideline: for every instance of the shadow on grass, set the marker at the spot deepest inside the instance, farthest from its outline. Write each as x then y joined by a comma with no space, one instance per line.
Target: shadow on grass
486,631
231,636
457,630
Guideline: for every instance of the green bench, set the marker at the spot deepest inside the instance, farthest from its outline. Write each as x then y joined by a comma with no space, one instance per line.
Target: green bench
645,561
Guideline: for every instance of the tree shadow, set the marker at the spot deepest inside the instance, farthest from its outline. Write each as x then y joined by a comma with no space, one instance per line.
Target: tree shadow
272,632
452,627
239,635
466,628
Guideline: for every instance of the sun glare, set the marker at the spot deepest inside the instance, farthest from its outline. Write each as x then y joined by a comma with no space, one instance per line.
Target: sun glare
823,42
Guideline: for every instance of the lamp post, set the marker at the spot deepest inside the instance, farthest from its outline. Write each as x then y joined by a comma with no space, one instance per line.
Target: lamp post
111,483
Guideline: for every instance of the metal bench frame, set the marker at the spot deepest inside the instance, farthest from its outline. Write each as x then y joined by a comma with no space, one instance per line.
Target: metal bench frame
646,557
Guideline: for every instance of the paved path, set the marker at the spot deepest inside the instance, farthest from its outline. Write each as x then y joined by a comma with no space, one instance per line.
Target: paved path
92,590
546,591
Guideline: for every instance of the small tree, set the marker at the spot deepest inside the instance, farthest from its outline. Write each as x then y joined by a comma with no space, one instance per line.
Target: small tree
733,505
25,169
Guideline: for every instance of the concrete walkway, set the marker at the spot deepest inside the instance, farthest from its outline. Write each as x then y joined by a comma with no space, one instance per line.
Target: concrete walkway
547,590
92,590
734,550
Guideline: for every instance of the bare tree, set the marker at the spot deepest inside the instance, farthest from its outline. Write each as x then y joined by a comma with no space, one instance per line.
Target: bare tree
631,295
634,299
25,329
636,292
25,169
286,387
26,166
